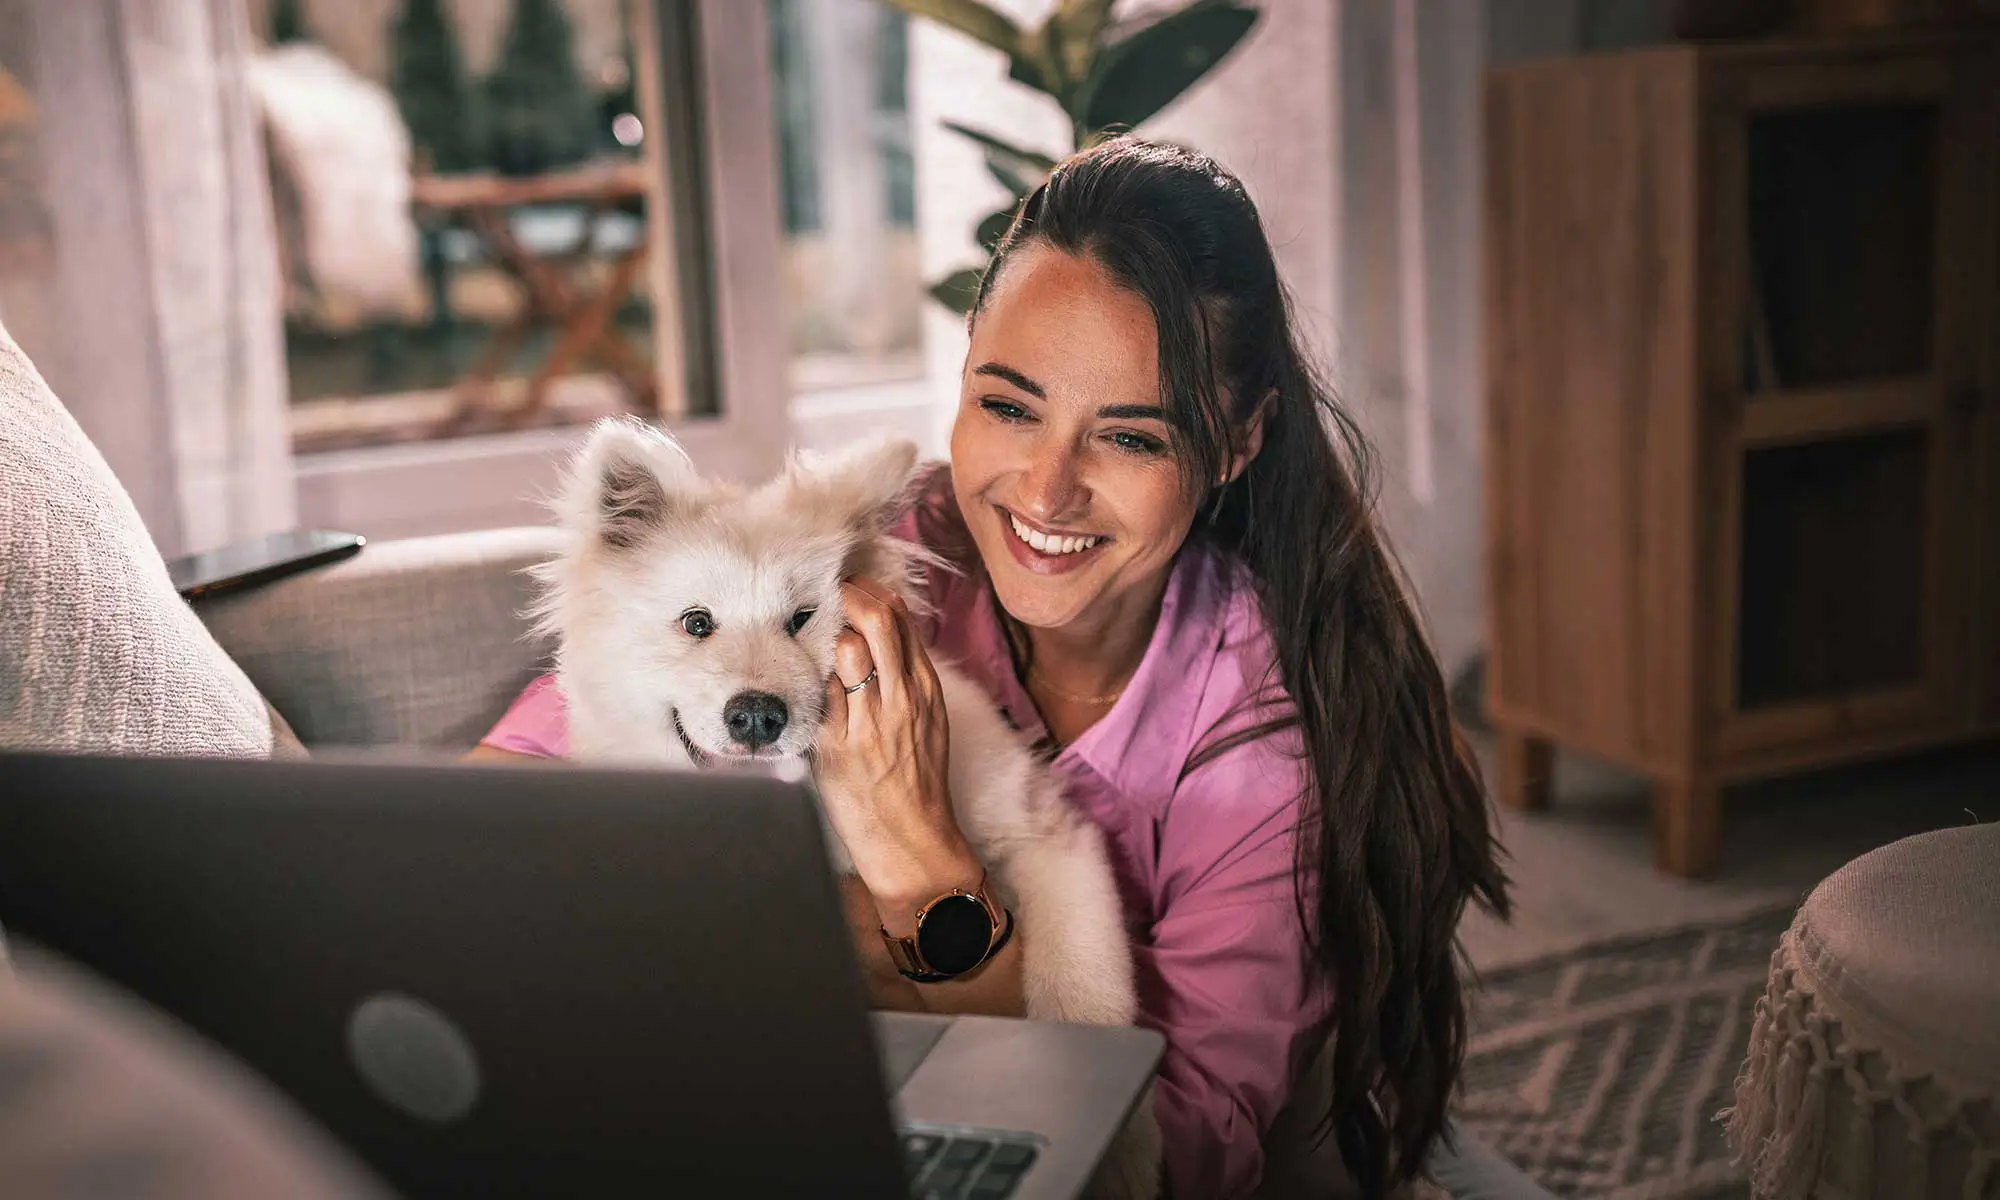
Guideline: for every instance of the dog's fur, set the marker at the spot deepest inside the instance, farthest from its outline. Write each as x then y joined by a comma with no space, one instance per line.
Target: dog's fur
650,539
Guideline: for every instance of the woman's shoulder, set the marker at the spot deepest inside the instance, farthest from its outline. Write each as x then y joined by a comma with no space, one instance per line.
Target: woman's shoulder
1244,749
1245,674
930,516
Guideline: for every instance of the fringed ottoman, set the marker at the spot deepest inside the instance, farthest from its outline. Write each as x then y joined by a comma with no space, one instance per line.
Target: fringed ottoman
1874,1064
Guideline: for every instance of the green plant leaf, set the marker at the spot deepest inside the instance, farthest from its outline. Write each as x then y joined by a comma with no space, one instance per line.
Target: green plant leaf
1076,34
995,227
1025,162
1149,68
1084,18
1035,64
971,18
958,291
1015,183
1023,70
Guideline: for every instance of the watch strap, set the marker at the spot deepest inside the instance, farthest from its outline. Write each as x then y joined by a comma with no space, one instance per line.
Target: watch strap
1006,932
908,958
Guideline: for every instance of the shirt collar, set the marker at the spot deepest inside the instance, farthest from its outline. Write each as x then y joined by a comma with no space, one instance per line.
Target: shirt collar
1141,745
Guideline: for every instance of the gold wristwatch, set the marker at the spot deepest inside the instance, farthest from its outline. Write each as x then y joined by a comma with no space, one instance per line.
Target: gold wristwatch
956,932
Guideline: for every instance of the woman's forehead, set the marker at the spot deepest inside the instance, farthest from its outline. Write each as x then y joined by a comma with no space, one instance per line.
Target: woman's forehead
1061,321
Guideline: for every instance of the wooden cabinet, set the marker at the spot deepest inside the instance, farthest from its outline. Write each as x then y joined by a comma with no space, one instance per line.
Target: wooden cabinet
1743,448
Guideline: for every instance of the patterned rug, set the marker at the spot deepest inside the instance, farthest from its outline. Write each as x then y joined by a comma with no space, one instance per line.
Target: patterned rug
1600,1071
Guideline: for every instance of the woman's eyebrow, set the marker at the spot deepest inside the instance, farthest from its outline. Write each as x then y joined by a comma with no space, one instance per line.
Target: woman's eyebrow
1003,371
1132,412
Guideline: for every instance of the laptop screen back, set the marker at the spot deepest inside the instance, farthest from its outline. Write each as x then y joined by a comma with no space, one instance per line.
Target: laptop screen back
491,981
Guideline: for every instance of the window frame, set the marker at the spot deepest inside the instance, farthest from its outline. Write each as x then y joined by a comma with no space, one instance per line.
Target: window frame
721,357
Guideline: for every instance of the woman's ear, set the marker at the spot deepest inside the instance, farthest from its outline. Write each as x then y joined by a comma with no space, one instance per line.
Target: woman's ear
1253,437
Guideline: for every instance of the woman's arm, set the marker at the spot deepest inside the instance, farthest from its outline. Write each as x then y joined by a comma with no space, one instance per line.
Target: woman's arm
1230,986
534,727
993,990
484,753
883,768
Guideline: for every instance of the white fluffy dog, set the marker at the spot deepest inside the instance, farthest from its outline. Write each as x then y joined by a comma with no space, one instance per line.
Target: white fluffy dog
677,595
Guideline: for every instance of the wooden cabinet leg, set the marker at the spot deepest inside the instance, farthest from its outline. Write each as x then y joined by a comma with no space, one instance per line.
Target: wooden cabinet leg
1687,826
1527,770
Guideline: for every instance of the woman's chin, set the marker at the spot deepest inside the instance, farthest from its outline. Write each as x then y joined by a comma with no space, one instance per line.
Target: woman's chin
1040,602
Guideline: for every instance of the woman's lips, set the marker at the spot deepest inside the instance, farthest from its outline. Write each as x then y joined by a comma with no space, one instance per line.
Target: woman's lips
1058,554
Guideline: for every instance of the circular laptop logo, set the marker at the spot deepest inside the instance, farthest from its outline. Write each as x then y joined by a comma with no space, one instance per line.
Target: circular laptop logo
413,1057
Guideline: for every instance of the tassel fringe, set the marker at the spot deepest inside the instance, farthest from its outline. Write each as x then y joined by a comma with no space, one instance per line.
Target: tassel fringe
1778,1125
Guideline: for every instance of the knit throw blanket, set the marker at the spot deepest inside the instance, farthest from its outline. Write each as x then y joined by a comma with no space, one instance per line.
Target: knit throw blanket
98,653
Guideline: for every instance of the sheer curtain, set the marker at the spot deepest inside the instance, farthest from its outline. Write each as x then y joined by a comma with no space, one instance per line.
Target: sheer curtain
137,265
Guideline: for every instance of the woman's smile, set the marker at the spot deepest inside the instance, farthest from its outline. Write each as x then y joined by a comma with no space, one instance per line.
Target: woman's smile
1049,551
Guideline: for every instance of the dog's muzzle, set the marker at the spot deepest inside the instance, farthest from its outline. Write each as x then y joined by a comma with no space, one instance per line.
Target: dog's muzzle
696,754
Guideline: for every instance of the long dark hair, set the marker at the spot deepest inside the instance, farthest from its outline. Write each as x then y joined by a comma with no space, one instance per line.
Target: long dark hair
1394,834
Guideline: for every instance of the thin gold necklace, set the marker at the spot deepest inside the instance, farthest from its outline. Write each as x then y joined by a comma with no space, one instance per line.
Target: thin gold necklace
1072,697
1017,638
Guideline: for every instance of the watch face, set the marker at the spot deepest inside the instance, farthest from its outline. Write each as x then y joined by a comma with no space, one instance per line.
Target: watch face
954,934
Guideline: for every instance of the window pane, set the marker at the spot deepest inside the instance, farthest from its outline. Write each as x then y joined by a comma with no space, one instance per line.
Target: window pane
510,287
854,289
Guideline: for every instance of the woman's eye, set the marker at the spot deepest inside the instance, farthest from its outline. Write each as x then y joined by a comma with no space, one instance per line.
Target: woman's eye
1005,410
1137,443
799,621
697,624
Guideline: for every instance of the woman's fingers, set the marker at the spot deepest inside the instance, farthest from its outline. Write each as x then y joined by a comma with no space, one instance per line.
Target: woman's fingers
880,626
852,659
836,707
923,678
913,649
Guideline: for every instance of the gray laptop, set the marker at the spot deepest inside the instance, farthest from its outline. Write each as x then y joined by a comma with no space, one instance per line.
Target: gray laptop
545,980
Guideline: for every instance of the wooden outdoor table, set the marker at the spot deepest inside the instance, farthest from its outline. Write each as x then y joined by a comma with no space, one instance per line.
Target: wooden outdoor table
553,292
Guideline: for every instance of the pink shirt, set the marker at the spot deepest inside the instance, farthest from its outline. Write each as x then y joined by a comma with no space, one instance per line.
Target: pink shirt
1204,863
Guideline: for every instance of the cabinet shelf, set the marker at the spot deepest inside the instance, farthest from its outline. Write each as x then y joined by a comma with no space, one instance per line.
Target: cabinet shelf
1743,469
1775,418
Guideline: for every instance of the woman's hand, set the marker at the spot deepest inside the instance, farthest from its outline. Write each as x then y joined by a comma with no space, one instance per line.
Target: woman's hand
884,760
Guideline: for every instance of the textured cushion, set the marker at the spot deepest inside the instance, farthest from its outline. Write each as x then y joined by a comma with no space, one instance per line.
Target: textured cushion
413,643
1874,1066
97,651
99,1096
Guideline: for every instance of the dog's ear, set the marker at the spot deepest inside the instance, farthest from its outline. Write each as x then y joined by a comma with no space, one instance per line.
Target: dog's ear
629,480
863,484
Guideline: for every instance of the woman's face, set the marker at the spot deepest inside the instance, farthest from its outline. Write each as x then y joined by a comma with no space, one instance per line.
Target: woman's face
1060,455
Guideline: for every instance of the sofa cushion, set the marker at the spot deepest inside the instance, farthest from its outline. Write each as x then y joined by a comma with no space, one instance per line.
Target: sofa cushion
416,642
98,653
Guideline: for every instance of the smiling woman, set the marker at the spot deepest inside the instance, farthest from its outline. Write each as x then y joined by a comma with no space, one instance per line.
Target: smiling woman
1246,707
1062,465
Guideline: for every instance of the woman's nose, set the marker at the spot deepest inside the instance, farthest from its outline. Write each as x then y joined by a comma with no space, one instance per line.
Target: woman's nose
1052,487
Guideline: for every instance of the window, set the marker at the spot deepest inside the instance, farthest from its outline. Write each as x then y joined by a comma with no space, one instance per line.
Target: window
854,292
137,271
461,193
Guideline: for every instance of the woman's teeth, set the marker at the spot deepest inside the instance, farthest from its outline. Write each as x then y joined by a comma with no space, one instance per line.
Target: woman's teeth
1051,545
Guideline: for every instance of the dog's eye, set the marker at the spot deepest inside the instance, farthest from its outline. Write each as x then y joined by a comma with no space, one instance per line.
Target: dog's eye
799,621
697,624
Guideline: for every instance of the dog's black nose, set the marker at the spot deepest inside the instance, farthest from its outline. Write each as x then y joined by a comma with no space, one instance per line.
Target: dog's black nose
755,719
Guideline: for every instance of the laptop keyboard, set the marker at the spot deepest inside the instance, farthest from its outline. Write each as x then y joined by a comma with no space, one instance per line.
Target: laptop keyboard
959,1164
